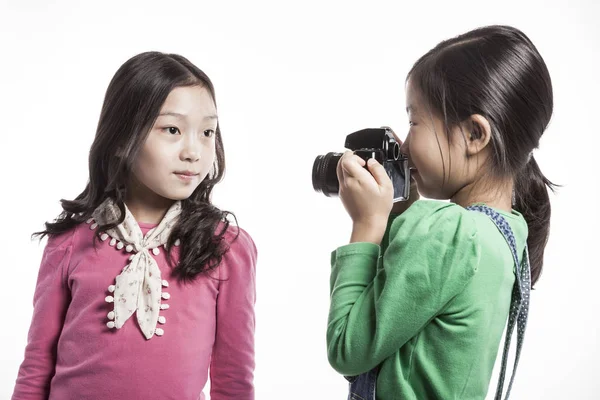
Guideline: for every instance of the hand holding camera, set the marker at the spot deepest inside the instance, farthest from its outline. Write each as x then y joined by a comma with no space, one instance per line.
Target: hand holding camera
367,196
378,143
368,180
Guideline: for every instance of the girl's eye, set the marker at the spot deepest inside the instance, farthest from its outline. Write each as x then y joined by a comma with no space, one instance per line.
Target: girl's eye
172,130
209,133
410,123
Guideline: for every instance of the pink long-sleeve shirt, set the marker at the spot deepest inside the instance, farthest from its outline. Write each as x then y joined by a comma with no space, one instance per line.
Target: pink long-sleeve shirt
72,354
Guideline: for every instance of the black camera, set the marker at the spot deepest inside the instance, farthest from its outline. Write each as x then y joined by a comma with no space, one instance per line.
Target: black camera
377,143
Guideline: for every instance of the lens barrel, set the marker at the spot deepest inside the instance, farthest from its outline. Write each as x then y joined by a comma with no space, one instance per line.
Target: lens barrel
324,176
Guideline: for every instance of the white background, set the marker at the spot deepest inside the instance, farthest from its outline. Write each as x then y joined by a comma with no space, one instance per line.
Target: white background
292,79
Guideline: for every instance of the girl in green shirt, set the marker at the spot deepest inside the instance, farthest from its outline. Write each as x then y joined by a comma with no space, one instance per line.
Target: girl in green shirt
421,295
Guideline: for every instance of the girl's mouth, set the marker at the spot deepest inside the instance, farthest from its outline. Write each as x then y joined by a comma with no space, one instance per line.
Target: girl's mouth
186,176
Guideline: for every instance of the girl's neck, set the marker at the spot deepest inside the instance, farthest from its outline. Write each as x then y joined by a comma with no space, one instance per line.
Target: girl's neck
145,205
497,194
148,208
147,212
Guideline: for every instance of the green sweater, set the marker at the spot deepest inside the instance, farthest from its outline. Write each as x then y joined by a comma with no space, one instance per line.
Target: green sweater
428,306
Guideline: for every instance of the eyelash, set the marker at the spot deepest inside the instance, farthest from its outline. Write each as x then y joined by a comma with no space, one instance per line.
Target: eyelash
410,123
168,129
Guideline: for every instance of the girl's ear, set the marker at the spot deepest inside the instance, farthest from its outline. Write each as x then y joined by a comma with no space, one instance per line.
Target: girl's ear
478,134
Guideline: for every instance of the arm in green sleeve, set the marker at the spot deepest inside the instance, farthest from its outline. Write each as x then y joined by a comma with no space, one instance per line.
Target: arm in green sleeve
379,302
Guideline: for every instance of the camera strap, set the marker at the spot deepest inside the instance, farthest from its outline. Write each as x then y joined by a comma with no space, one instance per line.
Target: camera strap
519,304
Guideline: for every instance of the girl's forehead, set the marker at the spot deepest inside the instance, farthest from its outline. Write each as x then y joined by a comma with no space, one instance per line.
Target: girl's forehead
189,100
413,97
417,104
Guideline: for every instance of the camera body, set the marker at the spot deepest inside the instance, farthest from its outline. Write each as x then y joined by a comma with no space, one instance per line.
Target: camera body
378,143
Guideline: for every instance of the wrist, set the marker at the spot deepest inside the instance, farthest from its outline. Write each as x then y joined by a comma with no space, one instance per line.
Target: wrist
371,232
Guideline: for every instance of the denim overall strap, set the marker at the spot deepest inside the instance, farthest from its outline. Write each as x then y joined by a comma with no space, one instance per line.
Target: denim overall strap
362,387
519,304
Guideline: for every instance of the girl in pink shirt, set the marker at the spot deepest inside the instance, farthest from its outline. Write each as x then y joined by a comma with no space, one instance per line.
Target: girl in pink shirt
144,285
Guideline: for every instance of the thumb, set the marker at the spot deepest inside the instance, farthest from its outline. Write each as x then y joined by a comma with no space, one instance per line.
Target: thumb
378,172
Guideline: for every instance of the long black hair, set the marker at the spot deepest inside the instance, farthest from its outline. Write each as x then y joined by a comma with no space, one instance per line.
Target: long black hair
497,72
132,103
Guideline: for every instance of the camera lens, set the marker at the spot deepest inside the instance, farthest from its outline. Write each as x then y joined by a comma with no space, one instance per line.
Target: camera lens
324,176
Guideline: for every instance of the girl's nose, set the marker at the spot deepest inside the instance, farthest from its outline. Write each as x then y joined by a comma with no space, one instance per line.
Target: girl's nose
190,150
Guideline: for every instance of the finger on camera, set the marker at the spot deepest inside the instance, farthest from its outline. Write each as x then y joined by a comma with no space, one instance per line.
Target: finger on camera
353,166
349,155
341,161
378,172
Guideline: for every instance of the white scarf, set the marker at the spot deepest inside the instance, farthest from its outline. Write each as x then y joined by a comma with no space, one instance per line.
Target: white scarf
139,286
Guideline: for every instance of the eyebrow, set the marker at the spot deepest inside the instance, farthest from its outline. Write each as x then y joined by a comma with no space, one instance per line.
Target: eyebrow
411,108
178,115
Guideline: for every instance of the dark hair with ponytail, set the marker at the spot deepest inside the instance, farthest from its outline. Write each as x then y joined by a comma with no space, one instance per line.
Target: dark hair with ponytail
497,72
132,103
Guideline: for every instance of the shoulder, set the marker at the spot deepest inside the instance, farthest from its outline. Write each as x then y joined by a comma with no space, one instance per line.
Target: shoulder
77,240
241,253
63,240
439,217
57,254
514,218
238,239
440,234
